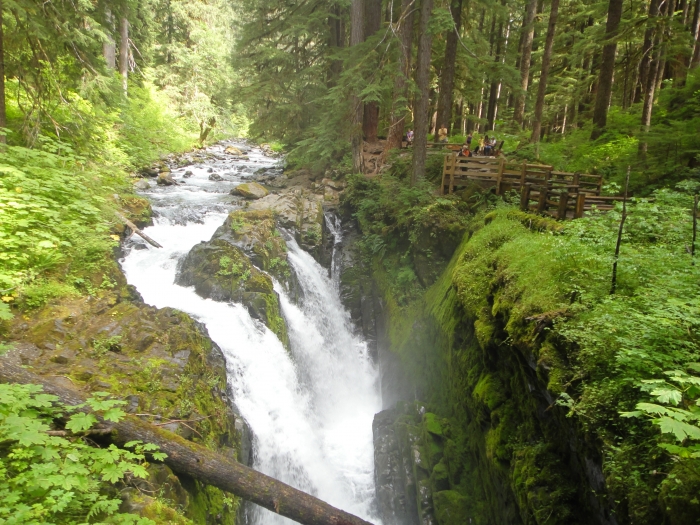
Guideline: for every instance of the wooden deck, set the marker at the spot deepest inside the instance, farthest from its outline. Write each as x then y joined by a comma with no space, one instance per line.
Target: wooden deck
543,190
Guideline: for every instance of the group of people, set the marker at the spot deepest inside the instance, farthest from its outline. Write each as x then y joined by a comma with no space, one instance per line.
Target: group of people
486,146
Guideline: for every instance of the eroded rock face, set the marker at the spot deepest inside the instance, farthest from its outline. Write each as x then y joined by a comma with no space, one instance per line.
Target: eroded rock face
299,210
221,271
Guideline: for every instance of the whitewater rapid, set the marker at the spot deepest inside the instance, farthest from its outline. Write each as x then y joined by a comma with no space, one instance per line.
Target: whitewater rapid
310,409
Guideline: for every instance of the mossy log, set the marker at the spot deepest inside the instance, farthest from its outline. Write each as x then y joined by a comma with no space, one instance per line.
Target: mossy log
202,464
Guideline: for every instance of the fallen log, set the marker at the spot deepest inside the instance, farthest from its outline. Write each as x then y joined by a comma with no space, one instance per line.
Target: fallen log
200,463
137,231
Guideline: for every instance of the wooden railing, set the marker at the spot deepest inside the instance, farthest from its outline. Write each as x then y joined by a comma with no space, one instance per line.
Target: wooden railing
542,189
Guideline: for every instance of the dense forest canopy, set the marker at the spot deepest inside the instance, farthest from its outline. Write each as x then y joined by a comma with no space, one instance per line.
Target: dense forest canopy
92,92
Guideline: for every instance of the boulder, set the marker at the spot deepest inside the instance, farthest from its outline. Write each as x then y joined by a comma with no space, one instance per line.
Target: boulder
188,174
251,190
255,233
149,172
299,210
142,184
232,150
165,179
220,271
333,184
216,177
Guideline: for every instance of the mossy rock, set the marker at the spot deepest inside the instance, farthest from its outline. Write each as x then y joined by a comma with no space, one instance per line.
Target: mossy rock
137,209
451,508
255,232
160,361
221,271
251,190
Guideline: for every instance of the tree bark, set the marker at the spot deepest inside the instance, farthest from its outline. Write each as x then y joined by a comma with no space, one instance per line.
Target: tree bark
525,58
398,112
3,111
546,58
422,102
109,47
695,28
356,35
647,49
493,89
370,120
447,79
201,463
124,52
607,69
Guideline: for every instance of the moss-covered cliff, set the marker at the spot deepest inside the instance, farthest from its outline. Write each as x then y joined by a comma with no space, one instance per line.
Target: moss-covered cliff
532,369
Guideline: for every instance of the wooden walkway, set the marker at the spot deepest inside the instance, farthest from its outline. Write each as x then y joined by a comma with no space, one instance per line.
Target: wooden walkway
542,190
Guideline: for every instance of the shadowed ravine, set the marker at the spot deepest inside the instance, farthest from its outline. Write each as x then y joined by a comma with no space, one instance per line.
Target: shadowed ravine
310,409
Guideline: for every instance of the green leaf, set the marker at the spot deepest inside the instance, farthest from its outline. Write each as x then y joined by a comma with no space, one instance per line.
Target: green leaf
80,421
668,395
678,428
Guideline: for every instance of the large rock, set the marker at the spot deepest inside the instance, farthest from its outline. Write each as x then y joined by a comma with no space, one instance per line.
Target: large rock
300,211
250,190
165,179
232,150
220,271
160,361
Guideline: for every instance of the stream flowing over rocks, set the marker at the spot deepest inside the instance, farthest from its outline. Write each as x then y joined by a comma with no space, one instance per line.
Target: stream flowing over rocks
300,374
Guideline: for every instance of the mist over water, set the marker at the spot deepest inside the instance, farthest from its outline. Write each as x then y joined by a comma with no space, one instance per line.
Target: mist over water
310,408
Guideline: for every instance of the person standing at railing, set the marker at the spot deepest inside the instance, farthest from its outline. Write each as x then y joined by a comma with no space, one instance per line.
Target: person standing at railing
442,134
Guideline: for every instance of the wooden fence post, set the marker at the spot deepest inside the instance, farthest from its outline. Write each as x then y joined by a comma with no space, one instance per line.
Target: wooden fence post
499,177
523,174
695,229
613,285
444,173
580,205
525,196
542,202
563,203
453,168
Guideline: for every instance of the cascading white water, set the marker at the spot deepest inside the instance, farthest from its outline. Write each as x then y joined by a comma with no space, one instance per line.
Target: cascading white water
311,412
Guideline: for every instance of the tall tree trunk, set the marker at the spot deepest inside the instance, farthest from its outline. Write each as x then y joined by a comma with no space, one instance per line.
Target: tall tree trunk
3,111
370,120
607,68
336,41
109,47
649,91
493,90
124,52
695,29
525,58
647,49
399,111
422,102
356,35
447,79
546,58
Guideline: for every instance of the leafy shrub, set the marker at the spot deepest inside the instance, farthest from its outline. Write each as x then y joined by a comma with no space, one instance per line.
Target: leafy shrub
61,479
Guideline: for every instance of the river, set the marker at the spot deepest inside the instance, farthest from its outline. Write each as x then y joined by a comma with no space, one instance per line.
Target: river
310,409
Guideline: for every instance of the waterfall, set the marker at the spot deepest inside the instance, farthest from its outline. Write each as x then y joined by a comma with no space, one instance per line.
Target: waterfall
310,408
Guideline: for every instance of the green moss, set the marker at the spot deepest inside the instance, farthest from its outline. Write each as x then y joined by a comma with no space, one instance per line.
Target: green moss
432,424
275,321
451,508
489,391
534,222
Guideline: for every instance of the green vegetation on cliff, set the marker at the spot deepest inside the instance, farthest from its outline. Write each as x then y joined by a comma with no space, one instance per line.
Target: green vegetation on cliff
550,386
